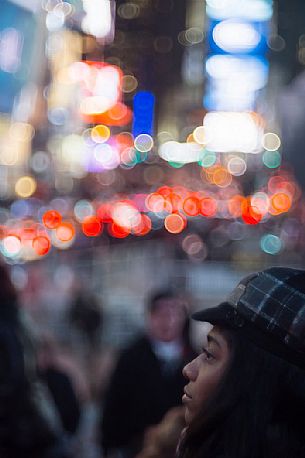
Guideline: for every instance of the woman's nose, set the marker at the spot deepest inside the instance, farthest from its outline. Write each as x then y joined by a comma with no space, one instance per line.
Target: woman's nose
190,371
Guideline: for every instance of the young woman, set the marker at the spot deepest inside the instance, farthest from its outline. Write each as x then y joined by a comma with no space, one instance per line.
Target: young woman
245,396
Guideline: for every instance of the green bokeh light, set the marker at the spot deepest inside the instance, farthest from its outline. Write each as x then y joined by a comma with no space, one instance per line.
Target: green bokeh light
271,244
272,159
208,159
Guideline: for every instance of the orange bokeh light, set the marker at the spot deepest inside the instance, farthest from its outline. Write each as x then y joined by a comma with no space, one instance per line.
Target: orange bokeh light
41,245
118,115
280,202
156,203
221,177
65,231
190,139
174,223
124,140
51,219
175,201
191,206
208,206
91,226
235,205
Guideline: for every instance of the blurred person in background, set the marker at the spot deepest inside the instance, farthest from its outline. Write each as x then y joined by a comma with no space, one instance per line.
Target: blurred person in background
147,380
59,384
245,396
86,316
29,425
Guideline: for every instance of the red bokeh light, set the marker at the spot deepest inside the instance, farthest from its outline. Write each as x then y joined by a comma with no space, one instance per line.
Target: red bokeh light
250,214
91,226
51,219
191,206
144,227
103,212
41,245
117,231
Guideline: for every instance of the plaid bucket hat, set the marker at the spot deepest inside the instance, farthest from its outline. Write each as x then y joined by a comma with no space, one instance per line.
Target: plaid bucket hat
267,307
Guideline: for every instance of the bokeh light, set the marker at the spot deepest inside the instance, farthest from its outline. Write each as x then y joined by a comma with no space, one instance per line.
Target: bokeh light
191,206
100,133
129,83
65,232
118,232
91,226
51,219
200,135
250,214
208,159
271,244
143,143
271,141
41,245
208,206
11,246
144,227
281,203
25,186
261,202
174,223
194,247
272,159
237,166
82,209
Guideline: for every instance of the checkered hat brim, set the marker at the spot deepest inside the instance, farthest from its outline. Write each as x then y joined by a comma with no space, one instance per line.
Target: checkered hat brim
271,301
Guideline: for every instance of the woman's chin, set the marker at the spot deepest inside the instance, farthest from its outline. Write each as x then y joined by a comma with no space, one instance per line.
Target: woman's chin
187,415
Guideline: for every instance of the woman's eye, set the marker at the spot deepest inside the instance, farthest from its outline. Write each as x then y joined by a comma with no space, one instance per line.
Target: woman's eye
207,355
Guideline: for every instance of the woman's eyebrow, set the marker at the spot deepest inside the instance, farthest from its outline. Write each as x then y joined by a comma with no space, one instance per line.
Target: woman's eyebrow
213,340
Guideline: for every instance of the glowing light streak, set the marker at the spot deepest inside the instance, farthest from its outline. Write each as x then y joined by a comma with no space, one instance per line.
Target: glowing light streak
255,10
183,153
99,19
143,113
235,36
230,131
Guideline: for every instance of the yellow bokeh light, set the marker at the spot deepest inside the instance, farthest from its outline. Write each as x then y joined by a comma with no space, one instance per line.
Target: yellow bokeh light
129,83
200,135
271,141
25,186
100,133
22,132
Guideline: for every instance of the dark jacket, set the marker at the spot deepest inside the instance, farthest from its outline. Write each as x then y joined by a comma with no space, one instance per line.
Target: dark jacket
64,397
141,391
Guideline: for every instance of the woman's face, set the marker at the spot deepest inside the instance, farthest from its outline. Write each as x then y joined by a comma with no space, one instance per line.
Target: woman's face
205,372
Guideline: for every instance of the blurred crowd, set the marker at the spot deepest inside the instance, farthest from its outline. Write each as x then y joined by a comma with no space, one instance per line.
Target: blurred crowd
62,400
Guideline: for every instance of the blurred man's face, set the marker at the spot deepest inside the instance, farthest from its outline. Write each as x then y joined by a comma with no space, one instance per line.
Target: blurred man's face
166,322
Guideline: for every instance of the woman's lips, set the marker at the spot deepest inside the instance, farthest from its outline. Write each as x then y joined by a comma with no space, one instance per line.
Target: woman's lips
186,397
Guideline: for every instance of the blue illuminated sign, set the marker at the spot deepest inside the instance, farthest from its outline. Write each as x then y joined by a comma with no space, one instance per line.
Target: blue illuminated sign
143,113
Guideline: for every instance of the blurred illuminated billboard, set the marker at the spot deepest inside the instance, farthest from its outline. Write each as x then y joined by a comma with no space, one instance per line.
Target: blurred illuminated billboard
17,29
